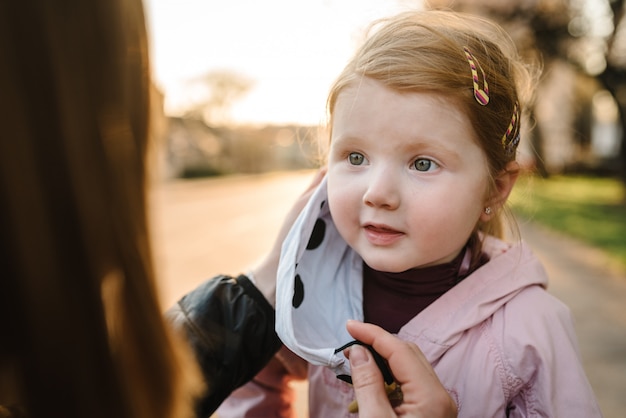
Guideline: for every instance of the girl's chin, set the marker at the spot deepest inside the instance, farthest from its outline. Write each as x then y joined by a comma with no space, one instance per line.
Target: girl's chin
386,266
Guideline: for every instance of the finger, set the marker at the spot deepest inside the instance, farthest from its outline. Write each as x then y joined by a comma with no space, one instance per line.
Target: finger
383,342
421,388
298,205
368,384
302,200
408,364
317,179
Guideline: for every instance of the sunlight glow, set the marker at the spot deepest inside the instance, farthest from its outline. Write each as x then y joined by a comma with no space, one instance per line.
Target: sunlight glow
291,50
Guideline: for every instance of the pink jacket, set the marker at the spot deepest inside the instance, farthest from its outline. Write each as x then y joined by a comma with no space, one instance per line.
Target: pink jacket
499,342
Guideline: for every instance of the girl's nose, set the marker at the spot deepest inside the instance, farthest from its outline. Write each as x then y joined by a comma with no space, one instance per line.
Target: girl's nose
382,189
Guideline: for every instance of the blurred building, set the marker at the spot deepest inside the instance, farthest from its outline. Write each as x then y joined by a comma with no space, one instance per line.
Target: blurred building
195,149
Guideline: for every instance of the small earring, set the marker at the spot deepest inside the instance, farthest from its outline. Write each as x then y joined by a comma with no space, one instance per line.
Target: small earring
488,210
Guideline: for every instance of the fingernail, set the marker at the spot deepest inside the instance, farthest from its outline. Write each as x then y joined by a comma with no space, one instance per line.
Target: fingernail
358,355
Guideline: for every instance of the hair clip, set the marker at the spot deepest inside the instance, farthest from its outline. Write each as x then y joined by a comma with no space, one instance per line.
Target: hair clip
481,95
511,137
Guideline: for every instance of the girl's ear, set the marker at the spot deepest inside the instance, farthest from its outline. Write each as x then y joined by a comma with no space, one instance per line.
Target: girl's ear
504,184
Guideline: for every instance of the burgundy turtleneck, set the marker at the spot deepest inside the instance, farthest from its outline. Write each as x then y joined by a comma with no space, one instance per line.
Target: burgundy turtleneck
390,300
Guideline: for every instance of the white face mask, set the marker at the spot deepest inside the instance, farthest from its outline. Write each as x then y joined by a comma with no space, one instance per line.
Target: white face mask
319,287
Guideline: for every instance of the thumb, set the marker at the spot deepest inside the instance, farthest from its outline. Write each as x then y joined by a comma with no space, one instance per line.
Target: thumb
368,384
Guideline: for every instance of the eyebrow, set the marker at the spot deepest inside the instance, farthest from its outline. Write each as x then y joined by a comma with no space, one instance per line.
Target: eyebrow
410,146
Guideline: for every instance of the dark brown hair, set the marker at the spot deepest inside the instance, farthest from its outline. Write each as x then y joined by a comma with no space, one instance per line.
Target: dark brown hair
82,330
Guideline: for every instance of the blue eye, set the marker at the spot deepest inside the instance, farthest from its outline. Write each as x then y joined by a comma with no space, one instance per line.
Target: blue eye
356,158
424,164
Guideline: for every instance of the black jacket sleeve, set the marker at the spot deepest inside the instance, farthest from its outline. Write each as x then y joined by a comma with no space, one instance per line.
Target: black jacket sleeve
230,327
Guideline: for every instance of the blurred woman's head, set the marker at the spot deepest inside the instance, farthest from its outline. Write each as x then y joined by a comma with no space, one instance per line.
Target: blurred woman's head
78,300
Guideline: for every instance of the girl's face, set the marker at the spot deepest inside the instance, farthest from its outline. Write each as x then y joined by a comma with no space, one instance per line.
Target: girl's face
407,183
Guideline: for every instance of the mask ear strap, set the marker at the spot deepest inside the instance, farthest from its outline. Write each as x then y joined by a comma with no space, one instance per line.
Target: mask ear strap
380,362
392,388
481,95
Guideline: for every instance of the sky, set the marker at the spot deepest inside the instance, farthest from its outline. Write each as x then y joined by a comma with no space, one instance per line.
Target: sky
291,50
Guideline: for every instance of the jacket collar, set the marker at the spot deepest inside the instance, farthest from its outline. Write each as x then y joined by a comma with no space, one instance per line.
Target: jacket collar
511,269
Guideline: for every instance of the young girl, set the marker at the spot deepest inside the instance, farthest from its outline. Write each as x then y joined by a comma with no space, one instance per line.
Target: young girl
405,232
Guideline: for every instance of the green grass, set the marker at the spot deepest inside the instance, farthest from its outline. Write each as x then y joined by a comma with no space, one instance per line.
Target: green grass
588,208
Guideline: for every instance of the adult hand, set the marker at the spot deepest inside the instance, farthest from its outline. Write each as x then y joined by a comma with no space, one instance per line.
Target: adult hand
265,273
423,393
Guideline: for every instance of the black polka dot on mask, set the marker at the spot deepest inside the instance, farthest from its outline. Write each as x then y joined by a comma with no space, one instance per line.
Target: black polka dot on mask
317,236
298,292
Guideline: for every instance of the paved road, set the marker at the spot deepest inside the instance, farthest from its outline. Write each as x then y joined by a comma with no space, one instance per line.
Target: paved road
205,227
595,291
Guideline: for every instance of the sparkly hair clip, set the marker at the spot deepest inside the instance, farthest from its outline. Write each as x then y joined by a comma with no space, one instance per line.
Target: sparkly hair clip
481,95
511,137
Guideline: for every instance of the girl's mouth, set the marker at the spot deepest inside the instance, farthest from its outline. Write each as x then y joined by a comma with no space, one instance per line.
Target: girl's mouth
381,234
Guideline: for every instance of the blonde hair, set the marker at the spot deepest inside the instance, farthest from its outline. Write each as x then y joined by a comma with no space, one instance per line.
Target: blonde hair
425,51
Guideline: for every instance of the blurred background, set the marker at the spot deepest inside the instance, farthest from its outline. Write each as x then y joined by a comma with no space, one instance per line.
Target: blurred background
222,68
240,87
239,112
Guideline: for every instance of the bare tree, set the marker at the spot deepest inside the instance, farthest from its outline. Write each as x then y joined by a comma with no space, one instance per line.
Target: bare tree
614,75
215,93
588,35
